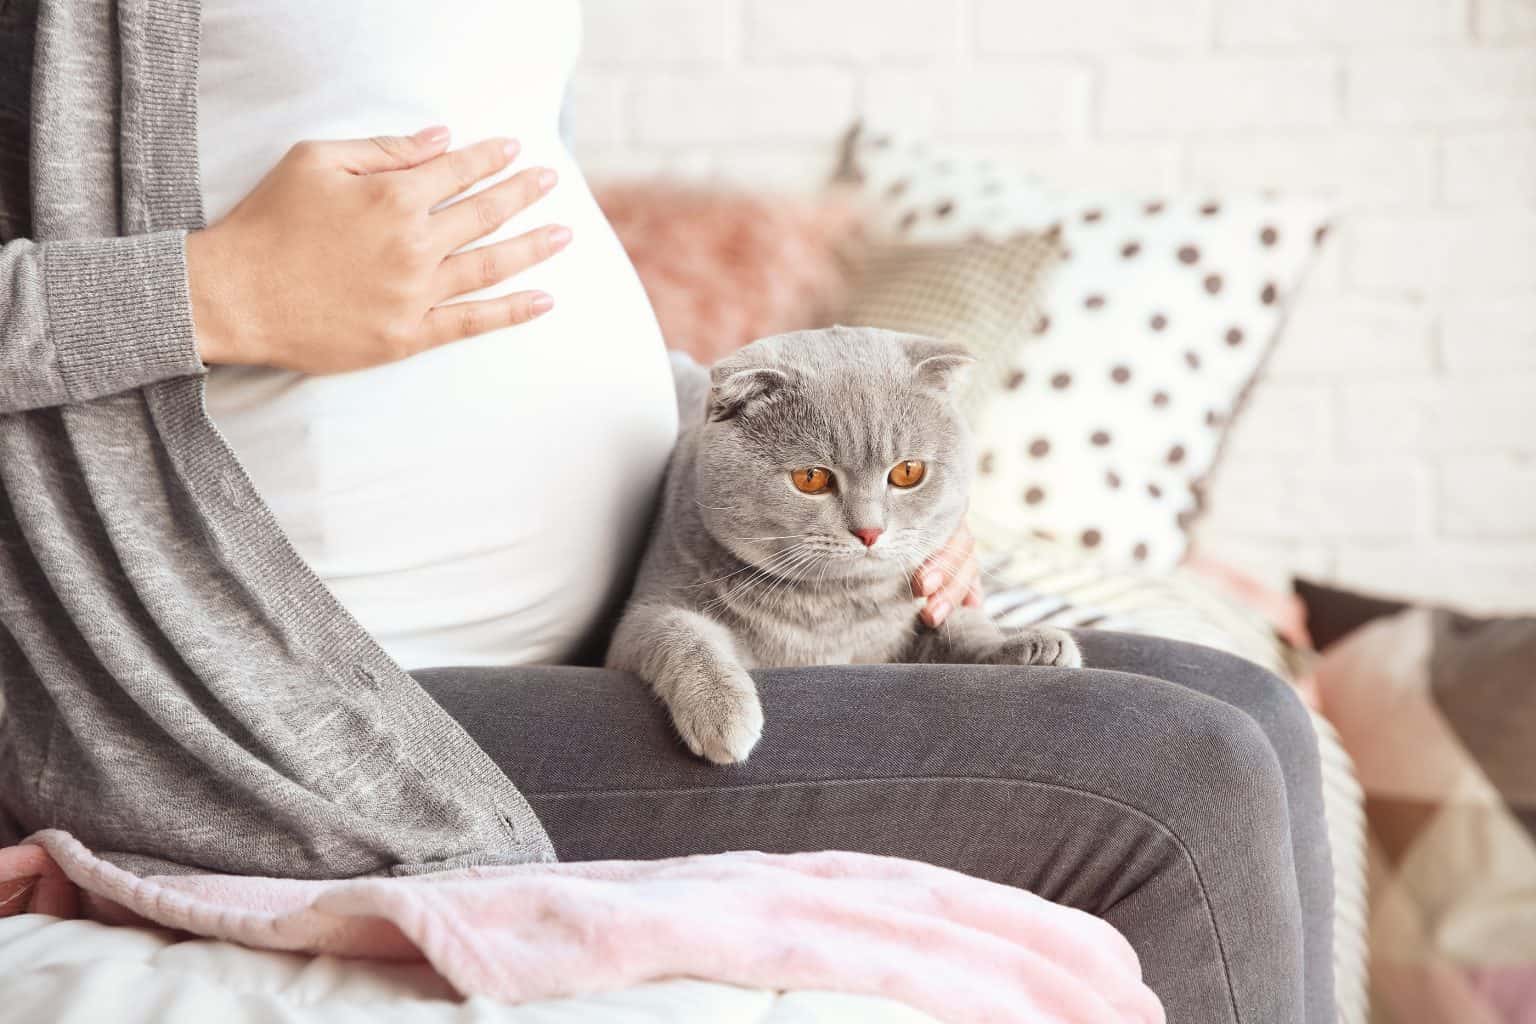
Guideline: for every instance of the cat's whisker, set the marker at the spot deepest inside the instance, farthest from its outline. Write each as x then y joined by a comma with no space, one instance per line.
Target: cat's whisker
778,563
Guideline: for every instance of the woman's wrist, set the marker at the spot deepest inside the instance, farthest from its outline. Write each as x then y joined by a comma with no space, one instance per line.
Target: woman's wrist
210,290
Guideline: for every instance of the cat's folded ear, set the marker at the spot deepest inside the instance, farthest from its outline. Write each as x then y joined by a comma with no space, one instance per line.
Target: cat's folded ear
941,365
734,387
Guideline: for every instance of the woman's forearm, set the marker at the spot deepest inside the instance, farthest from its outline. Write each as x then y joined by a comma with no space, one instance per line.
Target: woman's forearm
336,261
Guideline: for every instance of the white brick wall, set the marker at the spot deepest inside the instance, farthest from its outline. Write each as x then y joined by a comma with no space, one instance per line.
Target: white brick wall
1394,442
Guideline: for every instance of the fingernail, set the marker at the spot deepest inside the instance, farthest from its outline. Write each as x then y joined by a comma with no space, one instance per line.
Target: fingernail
433,135
510,148
541,304
547,179
559,237
931,581
938,611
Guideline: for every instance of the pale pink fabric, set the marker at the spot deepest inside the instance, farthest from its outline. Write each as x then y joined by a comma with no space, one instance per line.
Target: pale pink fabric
956,947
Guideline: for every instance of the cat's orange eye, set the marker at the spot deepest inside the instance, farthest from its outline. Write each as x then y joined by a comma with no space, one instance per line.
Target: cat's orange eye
908,473
812,479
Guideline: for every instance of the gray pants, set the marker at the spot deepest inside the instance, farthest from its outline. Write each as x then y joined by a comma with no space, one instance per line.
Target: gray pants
1171,789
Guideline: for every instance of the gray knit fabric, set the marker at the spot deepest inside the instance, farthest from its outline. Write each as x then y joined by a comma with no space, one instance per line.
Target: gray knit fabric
181,692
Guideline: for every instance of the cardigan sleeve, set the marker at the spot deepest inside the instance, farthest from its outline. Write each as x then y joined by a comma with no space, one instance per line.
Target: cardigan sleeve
85,318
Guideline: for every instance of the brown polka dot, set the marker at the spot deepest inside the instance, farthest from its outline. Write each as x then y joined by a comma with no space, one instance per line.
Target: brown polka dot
1268,235
1210,209
908,219
1159,398
1112,479
1185,518
1213,283
1034,496
1154,490
1234,336
1140,552
1120,374
1043,534
1094,302
1100,438
1039,447
1269,294
1043,324
1061,381
1153,208
1193,359
1320,234
986,462
1175,455
1092,538
1188,254
1092,216
1129,250
1053,232
1014,379
945,208
897,189
1214,418
1158,321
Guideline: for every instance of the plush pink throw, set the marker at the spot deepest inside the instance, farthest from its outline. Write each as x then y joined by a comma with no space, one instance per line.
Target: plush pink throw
956,947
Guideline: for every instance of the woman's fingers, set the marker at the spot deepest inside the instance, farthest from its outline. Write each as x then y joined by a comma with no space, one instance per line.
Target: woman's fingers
382,152
950,578
492,264
944,563
953,593
478,215
445,176
459,320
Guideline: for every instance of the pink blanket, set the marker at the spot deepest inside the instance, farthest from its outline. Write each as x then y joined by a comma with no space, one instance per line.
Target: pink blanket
956,947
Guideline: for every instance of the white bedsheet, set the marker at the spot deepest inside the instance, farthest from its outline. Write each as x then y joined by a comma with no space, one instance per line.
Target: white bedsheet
80,972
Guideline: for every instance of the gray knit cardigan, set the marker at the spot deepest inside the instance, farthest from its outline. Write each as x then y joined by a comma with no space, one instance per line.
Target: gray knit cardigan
181,692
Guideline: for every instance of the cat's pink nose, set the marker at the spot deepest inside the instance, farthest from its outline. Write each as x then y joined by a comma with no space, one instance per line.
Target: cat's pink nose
868,534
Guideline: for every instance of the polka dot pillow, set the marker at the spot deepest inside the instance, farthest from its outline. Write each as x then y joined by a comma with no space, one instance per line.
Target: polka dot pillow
1102,428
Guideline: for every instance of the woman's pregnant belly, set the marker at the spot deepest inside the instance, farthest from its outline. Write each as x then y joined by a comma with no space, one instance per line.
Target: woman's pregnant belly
483,502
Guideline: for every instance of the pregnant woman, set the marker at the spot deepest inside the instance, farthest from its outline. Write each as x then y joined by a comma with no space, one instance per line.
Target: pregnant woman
320,443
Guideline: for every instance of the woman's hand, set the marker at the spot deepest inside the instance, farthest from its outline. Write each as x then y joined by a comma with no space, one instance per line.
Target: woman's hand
950,578
336,262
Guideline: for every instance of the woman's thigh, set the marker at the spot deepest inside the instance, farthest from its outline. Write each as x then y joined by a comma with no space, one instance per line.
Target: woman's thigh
1160,808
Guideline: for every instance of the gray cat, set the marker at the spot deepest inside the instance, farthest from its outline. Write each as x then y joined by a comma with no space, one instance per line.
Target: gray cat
829,466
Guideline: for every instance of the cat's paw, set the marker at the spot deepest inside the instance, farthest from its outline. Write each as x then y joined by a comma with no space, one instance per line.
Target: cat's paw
1040,645
719,717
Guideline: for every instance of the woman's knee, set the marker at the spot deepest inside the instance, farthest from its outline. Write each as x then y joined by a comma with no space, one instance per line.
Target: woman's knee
1227,769
1269,700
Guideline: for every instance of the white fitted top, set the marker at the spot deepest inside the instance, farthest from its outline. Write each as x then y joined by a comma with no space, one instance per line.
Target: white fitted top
480,503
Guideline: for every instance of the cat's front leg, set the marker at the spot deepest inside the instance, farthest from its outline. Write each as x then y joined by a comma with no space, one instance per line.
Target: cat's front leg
691,663
970,637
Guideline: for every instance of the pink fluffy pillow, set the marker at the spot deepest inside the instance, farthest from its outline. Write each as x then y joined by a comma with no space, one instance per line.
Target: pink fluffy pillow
723,268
